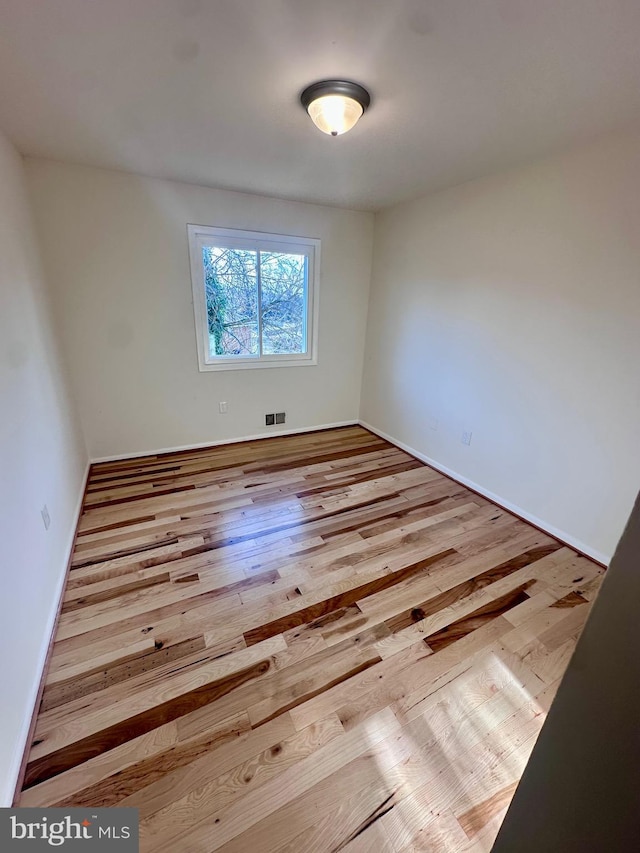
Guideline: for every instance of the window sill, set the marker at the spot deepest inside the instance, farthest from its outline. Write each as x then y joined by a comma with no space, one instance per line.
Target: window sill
257,365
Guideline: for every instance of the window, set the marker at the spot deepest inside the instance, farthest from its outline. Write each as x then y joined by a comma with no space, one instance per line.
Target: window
254,297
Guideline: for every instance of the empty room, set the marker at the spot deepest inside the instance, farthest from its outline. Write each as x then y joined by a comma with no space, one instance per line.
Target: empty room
320,411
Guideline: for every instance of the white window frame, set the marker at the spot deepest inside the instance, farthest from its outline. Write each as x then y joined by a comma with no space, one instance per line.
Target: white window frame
201,236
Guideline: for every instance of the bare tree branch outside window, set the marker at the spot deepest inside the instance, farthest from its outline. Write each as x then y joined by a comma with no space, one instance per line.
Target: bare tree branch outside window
256,301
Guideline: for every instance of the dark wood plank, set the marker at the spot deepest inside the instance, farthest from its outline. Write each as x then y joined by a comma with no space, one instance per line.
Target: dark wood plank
93,681
462,590
111,736
456,630
343,599
115,592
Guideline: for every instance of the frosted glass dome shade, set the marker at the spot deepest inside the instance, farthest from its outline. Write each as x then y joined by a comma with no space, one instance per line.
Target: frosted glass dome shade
335,114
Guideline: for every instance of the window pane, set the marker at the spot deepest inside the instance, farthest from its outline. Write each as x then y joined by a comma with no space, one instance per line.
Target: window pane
231,289
284,297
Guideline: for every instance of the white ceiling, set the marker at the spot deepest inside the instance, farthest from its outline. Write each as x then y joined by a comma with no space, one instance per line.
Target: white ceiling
206,91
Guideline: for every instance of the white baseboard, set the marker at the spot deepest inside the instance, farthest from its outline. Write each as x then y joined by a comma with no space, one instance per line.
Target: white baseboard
202,444
561,535
22,741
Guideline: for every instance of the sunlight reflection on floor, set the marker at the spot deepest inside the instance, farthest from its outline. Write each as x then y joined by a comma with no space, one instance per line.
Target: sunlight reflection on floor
453,764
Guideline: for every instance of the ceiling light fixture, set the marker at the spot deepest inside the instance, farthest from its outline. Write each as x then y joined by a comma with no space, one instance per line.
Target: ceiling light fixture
335,105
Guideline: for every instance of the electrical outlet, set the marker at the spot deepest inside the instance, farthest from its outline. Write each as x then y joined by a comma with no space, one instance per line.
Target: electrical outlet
269,420
223,408
280,417
466,437
46,518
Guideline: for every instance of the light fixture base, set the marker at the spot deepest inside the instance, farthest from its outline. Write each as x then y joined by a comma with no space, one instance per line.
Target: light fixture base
346,88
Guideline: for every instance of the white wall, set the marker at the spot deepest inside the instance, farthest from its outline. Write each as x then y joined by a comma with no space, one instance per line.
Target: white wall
42,461
115,250
510,307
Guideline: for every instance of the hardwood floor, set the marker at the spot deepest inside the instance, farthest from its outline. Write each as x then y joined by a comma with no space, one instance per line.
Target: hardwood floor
313,643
